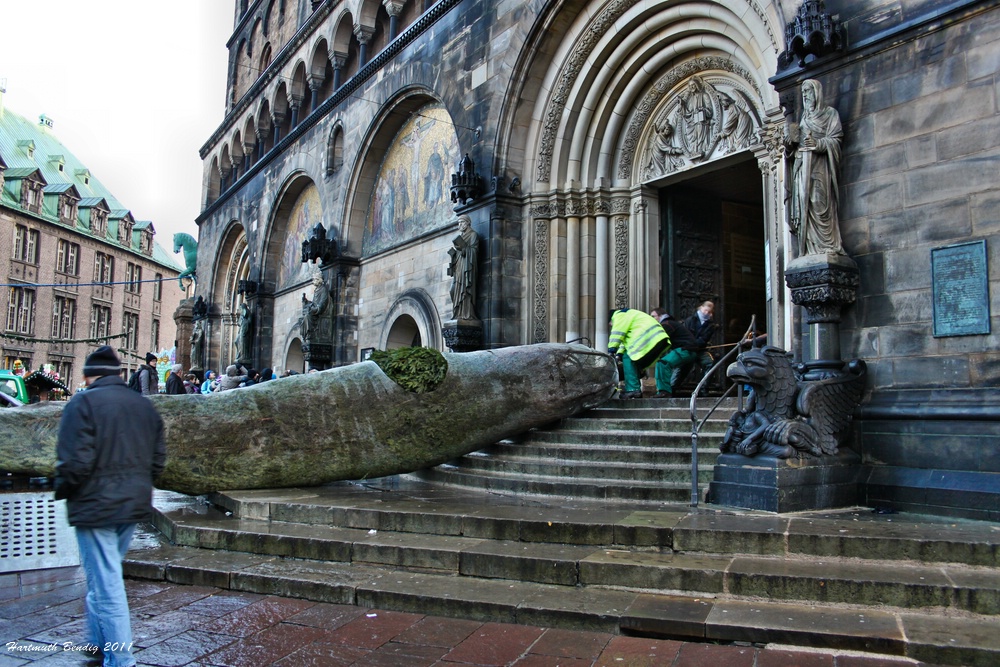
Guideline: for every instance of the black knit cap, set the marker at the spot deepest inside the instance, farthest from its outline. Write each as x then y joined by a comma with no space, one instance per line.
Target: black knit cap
150,358
102,361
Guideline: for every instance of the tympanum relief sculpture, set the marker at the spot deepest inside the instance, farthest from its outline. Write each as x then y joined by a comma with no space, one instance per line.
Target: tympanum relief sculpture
697,123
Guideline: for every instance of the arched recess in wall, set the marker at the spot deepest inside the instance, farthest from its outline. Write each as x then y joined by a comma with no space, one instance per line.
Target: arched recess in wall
232,265
297,210
399,190
413,321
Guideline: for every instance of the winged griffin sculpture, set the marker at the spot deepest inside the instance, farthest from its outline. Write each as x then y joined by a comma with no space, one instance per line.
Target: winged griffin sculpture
789,414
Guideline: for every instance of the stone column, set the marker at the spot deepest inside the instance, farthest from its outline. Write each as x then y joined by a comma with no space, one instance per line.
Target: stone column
393,8
295,102
277,118
364,35
338,60
314,83
572,273
603,278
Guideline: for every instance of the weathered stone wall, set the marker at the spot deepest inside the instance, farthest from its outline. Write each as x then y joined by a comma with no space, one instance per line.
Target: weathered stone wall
919,172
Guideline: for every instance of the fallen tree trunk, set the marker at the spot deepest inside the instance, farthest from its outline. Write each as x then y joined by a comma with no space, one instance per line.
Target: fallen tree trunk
345,423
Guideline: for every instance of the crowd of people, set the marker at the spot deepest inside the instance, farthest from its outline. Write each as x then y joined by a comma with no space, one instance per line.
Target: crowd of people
657,339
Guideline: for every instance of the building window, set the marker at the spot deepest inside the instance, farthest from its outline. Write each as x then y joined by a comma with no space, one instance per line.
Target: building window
100,321
155,340
9,357
25,244
158,287
68,209
98,222
133,278
64,369
21,311
68,258
104,268
63,318
125,233
130,323
33,196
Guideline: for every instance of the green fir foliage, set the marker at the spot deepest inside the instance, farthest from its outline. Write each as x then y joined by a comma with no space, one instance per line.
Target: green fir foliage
415,369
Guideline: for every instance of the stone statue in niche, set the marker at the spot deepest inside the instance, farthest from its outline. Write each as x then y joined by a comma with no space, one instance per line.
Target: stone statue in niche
814,144
244,338
197,345
463,267
315,313
791,412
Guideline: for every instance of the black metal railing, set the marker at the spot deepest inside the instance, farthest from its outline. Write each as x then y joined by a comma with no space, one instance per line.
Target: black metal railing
696,426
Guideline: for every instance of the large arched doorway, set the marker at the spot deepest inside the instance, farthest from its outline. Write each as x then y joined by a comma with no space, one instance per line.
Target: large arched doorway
295,360
712,247
404,333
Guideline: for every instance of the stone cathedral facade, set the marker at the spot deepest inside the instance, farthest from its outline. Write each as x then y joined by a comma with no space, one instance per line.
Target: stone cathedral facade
615,153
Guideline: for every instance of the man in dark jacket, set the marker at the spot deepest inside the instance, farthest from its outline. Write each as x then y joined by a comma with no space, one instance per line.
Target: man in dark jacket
110,450
703,327
147,376
683,353
175,384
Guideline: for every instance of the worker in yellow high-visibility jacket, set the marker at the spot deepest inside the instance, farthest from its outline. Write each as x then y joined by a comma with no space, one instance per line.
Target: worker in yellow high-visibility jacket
641,341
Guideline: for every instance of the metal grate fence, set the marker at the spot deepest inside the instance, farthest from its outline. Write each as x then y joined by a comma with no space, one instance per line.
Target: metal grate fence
34,534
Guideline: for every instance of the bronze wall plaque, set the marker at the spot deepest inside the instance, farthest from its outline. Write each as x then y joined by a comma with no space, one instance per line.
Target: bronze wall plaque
960,285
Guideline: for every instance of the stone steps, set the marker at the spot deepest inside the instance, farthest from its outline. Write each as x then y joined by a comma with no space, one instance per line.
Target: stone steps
623,451
930,591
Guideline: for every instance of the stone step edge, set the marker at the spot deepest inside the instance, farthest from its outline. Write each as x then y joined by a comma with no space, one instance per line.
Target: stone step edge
586,565
686,617
535,478
584,463
641,526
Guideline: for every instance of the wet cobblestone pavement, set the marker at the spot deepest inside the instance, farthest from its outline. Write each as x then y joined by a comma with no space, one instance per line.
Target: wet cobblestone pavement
41,619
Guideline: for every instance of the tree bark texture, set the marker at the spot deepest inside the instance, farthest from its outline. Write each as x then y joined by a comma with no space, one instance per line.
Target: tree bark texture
345,423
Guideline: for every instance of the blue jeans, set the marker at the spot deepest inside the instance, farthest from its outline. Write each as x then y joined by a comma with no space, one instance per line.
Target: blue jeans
101,552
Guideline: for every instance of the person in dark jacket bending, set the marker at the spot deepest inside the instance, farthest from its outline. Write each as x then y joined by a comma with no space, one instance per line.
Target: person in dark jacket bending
683,353
110,450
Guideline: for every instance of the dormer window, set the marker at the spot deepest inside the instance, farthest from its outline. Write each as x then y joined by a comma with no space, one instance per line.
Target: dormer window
125,232
146,243
98,222
28,146
68,208
31,197
83,175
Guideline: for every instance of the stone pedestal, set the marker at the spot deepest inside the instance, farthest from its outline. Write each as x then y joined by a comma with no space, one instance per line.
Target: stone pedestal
317,355
786,485
183,322
463,335
823,285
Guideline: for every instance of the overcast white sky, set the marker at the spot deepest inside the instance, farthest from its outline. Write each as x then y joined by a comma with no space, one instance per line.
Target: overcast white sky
134,89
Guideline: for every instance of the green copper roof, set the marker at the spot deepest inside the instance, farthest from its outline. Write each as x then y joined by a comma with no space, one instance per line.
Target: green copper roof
26,146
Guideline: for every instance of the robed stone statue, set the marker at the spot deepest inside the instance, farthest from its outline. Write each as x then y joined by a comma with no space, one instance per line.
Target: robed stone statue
314,327
814,143
462,268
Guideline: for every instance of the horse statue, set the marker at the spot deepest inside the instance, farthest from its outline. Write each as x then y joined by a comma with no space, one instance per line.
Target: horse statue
190,247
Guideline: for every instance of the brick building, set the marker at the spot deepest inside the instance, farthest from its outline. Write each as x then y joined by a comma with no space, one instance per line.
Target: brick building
80,269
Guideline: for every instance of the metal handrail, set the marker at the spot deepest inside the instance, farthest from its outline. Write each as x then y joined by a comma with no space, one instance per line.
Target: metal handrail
748,337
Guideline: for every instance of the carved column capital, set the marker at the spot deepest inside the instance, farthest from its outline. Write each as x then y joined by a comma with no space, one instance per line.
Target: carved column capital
823,285
363,34
393,7
337,59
